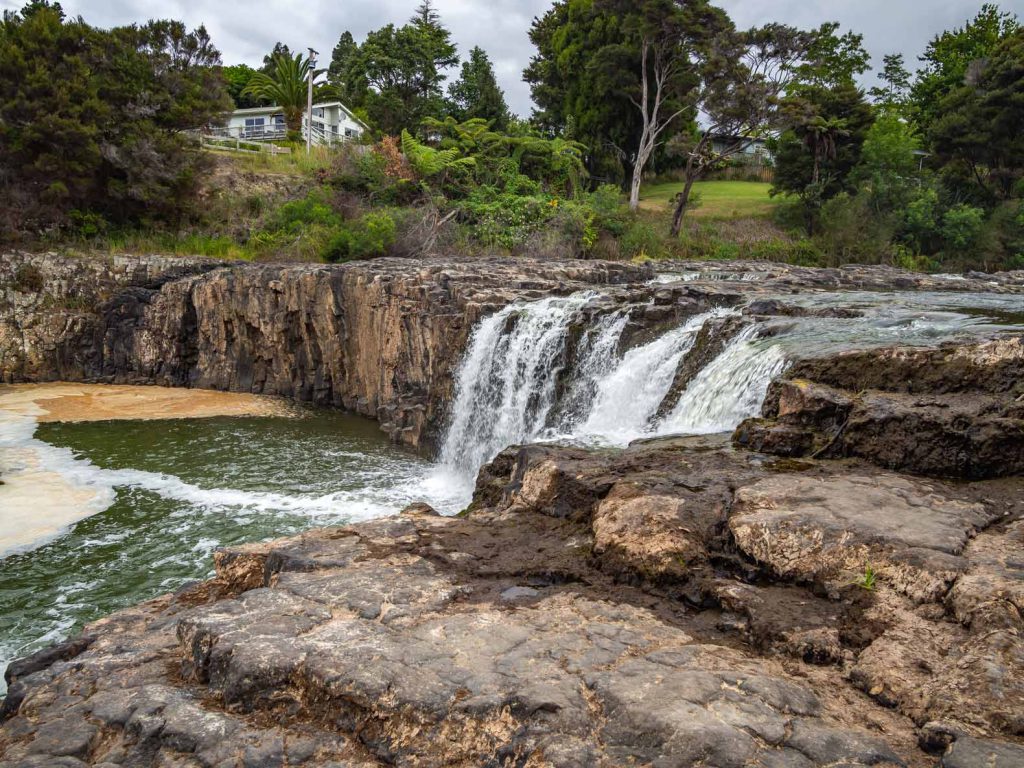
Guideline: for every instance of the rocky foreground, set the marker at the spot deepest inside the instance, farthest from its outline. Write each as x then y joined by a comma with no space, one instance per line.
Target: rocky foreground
840,583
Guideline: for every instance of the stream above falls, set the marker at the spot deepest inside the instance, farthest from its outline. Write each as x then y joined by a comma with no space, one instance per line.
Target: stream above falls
167,493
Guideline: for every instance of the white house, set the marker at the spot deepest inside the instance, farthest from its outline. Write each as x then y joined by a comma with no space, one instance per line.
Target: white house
332,123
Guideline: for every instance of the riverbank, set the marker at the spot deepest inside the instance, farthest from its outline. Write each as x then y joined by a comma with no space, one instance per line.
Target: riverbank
38,501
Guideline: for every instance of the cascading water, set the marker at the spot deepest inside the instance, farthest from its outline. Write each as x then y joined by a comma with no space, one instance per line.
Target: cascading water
629,395
506,383
729,389
507,389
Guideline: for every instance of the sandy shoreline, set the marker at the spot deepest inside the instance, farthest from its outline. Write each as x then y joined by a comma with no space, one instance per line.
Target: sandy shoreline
107,402
37,500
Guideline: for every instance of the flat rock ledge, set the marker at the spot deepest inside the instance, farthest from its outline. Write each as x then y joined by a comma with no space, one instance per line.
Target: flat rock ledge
676,603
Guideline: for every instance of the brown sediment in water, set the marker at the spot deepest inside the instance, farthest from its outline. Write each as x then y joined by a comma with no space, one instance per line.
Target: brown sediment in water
107,402
36,502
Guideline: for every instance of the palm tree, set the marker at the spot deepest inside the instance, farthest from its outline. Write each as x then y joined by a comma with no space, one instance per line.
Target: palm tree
286,86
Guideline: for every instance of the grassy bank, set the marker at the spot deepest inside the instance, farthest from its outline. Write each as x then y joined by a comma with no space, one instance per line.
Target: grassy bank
716,199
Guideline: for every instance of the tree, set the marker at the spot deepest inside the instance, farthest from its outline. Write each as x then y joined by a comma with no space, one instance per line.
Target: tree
888,165
950,56
826,118
822,145
578,100
236,80
269,65
92,120
977,138
739,94
674,39
476,93
893,94
341,57
287,87
437,52
397,74
831,59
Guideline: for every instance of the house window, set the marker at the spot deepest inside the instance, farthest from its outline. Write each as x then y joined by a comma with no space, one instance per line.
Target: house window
349,133
254,126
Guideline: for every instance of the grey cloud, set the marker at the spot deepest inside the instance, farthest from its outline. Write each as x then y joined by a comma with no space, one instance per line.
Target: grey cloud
244,32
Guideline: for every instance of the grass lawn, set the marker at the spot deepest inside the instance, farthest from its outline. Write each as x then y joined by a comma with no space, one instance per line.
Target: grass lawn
718,199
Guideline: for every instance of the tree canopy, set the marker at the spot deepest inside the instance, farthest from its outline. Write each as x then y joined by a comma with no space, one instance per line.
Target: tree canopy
91,120
476,93
397,74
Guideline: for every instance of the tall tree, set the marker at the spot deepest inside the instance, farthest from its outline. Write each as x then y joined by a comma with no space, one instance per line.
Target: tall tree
438,52
895,86
674,40
341,58
739,93
578,100
978,139
287,87
822,146
269,61
826,120
476,93
397,74
832,59
949,57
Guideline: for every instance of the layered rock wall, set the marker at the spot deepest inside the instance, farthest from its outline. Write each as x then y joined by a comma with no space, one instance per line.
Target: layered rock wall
380,338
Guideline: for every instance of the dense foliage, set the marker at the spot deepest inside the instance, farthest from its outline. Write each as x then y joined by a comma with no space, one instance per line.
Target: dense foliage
91,120
925,170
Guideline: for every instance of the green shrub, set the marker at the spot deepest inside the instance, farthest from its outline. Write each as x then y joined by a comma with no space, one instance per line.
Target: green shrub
852,230
904,258
802,253
921,222
961,226
643,239
297,215
367,237
86,224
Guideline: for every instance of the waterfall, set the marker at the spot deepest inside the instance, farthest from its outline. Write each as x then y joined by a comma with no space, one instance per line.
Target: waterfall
522,380
506,384
729,389
629,395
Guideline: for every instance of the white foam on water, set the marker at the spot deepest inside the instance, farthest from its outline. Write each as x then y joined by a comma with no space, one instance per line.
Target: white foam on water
629,395
48,489
731,388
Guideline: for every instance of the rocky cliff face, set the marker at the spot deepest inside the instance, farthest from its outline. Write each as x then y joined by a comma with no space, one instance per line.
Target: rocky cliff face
381,339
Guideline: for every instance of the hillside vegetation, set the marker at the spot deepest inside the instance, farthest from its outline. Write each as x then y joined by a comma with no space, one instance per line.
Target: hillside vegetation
98,146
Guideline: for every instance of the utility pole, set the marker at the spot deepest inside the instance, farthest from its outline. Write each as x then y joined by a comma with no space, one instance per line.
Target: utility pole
309,102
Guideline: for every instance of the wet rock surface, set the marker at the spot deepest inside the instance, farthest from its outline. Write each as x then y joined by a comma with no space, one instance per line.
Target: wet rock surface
955,411
676,603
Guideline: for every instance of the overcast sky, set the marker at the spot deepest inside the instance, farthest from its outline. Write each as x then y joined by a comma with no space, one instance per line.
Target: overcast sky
245,31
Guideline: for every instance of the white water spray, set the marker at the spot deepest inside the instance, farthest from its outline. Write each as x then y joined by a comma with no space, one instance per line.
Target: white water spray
729,389
512,387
